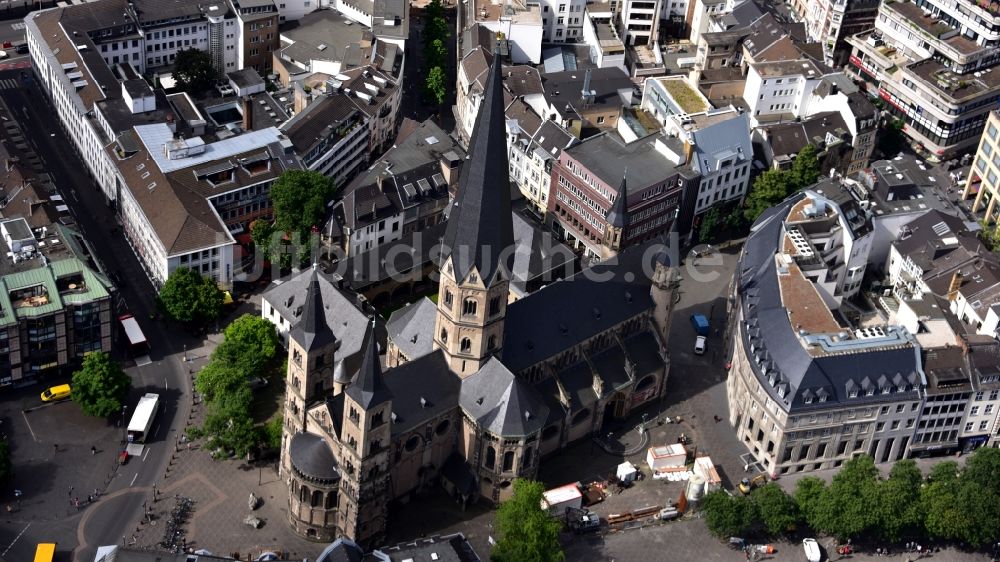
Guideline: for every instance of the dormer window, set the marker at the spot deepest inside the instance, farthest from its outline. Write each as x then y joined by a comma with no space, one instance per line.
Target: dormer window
852,394
808,400
870,392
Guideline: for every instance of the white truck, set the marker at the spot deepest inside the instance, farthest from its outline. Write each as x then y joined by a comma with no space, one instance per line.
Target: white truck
141,422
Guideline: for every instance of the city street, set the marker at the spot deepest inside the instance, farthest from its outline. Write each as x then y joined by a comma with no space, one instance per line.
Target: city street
42,517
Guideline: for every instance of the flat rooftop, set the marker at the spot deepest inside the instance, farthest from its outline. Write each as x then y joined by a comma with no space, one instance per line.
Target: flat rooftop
518,11
955,86
689,100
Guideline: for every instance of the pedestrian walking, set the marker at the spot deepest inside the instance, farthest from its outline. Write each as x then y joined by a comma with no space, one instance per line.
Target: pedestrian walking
93,450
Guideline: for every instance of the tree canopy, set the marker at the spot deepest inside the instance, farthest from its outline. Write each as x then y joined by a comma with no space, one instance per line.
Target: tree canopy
250,342
100,385
193,70
436,87
726,515
435,52
525,532
773,186
299,198
190,298
776,510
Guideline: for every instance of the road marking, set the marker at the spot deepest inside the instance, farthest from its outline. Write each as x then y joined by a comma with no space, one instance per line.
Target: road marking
18,25
28,423
133,480
8,84
11,545
146,455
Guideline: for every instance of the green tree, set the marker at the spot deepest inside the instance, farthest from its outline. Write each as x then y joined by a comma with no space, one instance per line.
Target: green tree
190,298
300,198
805,168
891,139
777,510
100,385
526,533
809,495
846,508
726,515
435,54
219,378
193,70
944,517
272,433
897,505
249,343
711,221
435,86
6,466
228,420
769,189
979,493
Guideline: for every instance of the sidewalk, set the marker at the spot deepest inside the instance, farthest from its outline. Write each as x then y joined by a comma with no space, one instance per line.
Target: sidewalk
220,491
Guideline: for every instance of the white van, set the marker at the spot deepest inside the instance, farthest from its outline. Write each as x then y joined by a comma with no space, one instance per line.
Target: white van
812,550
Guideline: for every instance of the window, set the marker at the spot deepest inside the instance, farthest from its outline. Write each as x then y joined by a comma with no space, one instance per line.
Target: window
974,411
469,307
988,409
444,335
494,306
508,461
491,343
466,345
447,297
982,425
491,457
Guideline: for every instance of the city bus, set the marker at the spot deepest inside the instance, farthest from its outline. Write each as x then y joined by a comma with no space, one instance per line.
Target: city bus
138,347
45,552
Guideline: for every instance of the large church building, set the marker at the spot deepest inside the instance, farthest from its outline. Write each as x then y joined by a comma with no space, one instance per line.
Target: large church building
480,387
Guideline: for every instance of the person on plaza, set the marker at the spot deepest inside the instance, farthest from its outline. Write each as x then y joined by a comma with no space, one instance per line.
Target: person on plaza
93,450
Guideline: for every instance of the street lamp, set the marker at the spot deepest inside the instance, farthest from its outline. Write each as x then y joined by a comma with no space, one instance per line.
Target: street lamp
124,424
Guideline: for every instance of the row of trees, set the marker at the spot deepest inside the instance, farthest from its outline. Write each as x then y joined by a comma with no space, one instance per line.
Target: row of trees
774,186
299,198
949,504
248,348
435,52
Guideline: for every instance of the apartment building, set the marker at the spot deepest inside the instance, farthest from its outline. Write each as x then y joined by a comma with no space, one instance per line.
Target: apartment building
831,22
932,63
405,191
608,194
331,137
56,303
258,20
807,389
983,181
533,147
522,25
721,153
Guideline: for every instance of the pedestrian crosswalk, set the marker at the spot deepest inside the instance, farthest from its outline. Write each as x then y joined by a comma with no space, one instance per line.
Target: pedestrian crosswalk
17,26
8,84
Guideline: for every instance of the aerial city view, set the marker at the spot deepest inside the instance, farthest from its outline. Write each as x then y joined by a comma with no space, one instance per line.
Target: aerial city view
513,281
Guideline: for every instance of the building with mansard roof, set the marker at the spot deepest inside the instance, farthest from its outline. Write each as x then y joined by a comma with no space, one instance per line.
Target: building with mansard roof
480,385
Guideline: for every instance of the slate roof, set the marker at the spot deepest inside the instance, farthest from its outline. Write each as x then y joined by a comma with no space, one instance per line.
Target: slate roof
342,314
562,89
567,312
341,550
768,328
618,212
479,233
368,389
422,389
607,156
407,328
722,140
312,331
502,403
312,457
537,253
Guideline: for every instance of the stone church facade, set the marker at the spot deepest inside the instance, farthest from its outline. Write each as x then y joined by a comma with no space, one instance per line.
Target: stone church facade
480,389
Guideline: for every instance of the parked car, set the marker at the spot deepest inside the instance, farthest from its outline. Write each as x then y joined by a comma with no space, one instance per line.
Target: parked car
811,548
699,345
60,392
21,49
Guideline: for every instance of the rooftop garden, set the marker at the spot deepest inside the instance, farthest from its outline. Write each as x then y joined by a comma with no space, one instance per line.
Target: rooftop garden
685,96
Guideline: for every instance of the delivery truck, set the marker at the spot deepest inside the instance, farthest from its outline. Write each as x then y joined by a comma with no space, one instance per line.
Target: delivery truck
700,324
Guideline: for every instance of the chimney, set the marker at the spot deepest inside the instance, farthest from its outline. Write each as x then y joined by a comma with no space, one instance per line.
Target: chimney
688,149
247,114
955,285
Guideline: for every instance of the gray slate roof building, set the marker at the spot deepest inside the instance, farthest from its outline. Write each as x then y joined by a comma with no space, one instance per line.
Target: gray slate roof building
368,389
793,374
312,331
479,230
501,402
407,327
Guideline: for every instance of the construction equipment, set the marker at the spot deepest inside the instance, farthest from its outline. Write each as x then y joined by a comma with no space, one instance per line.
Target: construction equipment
747,485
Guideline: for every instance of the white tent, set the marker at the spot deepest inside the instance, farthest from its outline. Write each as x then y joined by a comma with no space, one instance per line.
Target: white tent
626,472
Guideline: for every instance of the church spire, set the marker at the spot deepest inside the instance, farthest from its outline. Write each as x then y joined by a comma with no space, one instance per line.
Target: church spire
368,389
618,213
479,224
312,331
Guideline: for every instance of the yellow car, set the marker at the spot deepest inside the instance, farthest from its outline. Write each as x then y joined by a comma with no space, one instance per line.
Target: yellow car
55,393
